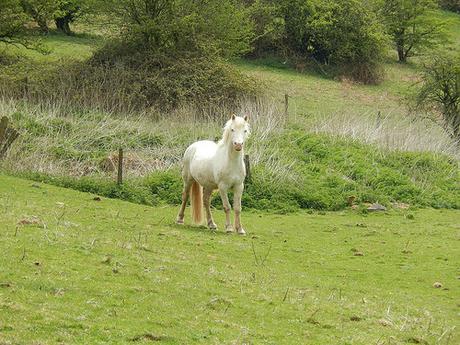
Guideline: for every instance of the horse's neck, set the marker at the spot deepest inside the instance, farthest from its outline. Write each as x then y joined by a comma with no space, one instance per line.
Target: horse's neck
233,157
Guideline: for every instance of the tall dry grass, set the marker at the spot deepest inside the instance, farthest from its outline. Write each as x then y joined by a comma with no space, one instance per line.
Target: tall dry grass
61,141
395,133
57,142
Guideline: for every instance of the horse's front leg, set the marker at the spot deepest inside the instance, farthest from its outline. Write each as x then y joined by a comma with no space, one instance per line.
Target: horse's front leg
223,195
238,192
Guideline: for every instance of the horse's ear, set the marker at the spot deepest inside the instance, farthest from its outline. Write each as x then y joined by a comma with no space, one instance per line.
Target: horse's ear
246,118
233,117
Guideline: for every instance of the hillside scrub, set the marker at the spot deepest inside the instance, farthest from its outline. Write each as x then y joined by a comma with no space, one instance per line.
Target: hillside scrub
327,173
128,82
291,169
12,21
165,54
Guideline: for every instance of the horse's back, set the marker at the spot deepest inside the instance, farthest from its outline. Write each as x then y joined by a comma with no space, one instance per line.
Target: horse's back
200,150
198,160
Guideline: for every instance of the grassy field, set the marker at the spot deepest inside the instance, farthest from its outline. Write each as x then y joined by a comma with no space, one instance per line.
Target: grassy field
77,270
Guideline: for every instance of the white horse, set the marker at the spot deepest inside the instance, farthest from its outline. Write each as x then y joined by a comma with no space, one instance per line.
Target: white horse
208,166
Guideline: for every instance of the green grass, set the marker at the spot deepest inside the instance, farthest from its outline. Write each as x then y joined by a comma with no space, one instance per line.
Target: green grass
291,169
59,46
108,271
312,94
453,26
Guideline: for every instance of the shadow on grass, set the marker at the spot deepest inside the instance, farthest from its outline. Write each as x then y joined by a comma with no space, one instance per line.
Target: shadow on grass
200,229
278,64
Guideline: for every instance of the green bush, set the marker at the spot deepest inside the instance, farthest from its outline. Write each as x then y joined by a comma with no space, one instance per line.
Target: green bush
450,5
344,35
116,79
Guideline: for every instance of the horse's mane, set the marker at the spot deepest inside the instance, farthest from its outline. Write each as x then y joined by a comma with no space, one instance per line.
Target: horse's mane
226,133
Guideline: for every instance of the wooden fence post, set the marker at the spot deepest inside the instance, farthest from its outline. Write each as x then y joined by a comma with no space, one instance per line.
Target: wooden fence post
7,136
120,167
379,120
286,106
247,179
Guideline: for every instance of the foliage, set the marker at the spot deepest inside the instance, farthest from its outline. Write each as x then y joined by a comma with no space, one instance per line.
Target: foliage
12,21
66,12
41,11
209,27
169,53
328,172
123,82
268,28
441,90
450,5
412,26
63,12
345,34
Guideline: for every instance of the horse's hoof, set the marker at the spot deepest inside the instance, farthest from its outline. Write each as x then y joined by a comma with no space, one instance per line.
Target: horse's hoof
180,221
241,232
212,226
229,229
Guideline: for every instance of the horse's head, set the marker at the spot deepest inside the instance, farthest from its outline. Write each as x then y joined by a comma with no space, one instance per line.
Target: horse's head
239,131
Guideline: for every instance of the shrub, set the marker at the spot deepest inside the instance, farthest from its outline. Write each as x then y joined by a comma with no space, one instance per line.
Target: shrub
450,5
441,90
12,21
219,28
168,53
345,35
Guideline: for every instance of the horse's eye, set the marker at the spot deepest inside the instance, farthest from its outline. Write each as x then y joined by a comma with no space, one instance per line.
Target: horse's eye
245,131
233,130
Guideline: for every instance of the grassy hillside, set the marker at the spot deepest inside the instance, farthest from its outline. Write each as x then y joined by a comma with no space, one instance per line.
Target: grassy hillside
76,270
312,93
291,169
332,145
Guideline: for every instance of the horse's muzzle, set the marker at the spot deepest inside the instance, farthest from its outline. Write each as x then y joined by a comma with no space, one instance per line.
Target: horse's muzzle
238,146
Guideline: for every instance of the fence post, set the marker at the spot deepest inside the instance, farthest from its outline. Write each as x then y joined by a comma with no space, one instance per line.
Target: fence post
7,136
286,106
379,119
248,169
120,167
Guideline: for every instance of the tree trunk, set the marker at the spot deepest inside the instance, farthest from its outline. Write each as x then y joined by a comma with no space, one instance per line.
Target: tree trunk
42,24
63,24
401,55
399,40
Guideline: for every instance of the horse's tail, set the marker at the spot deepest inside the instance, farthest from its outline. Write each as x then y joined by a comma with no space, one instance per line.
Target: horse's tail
196,194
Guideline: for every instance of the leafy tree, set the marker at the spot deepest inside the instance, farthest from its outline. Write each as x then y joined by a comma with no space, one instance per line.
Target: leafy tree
214,27
12,21
343,33
268,26
66,12
441,90
450,5
41,11
412,25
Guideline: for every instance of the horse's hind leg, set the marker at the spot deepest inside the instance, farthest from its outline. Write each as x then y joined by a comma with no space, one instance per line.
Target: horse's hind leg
185,194
207,205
